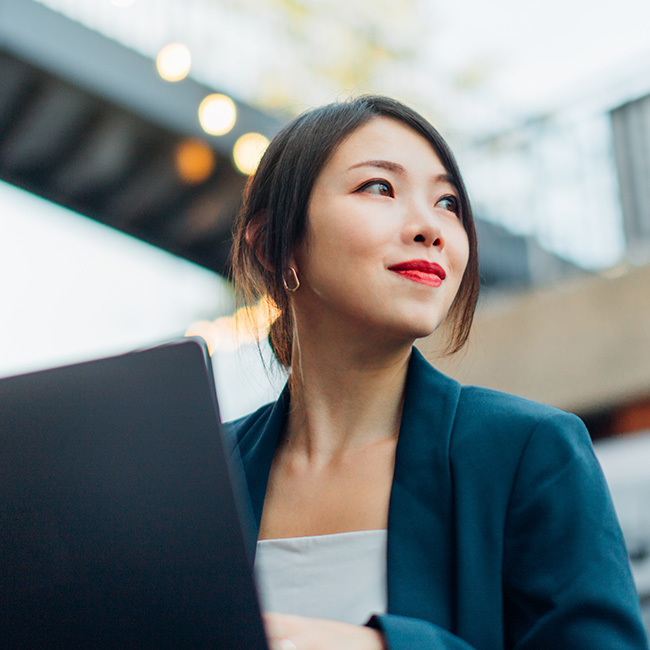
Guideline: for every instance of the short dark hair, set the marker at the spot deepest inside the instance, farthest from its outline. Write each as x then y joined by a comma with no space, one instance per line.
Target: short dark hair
277,198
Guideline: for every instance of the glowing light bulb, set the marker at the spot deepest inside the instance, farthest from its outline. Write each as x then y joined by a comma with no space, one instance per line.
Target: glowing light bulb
174,62
248,151
194,161
217,114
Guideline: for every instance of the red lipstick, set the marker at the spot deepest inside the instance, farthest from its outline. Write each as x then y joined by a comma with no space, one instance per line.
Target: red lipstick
421,271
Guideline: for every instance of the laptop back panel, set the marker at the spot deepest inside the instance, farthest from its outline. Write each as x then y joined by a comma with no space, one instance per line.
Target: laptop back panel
118,523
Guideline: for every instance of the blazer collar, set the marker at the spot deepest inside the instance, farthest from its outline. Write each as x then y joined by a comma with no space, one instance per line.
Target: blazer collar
257,448
420,518
420,526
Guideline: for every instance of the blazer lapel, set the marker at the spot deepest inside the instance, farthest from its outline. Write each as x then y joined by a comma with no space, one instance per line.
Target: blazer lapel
257,448
420,528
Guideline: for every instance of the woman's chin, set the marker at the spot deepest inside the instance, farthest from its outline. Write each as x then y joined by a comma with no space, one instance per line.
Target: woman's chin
412,330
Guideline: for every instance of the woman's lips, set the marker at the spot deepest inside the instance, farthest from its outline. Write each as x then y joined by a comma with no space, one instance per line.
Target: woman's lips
421,271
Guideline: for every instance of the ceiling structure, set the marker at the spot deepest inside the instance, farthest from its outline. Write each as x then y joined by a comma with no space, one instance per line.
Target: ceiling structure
88,124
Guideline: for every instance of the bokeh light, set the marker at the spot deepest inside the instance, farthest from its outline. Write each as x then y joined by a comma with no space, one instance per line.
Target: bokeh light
248,151
247,325
194,161
174,61
217,114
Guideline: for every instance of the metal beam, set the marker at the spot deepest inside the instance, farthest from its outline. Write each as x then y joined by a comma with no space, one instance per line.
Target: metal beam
106,68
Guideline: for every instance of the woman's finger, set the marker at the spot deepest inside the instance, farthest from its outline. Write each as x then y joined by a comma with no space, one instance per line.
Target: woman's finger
277,627
283,644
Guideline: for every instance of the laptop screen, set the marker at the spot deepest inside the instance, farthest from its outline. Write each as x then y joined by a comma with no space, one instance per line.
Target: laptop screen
119,524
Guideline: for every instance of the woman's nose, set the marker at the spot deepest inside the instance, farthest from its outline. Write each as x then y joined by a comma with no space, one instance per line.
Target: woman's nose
432,240
424,228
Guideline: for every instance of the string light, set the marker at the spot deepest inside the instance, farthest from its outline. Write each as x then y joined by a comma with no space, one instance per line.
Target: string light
248,151
194,161
174,62
217,114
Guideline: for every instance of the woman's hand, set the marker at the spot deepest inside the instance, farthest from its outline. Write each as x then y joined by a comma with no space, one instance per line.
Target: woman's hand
287,632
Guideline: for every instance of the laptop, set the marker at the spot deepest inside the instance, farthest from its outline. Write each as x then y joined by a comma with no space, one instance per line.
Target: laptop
122,518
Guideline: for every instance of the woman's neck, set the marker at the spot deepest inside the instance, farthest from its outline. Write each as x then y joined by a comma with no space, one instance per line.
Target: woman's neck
345,396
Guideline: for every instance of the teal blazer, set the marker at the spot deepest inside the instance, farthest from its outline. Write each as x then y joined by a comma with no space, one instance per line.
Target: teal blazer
501,530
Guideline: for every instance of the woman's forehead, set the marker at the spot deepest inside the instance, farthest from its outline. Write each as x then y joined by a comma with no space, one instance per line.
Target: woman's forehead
384,139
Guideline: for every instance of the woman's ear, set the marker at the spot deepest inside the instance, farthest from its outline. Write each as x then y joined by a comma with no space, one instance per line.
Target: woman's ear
253,235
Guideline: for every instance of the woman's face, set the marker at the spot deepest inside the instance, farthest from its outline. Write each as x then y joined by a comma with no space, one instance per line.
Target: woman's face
385,249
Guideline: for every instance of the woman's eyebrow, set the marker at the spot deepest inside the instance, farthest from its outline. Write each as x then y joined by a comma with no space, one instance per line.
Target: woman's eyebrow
382,164
444,178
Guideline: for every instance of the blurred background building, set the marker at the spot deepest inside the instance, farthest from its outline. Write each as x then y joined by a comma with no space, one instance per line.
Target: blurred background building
128,129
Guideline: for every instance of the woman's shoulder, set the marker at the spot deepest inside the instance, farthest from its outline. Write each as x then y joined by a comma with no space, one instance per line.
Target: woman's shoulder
480,407
502,420
502,444
498,405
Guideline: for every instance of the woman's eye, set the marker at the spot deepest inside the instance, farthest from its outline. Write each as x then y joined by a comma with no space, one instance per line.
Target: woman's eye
449,202
382,188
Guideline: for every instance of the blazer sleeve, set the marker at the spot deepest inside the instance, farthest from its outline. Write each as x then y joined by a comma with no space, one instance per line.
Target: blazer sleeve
404,633
566,577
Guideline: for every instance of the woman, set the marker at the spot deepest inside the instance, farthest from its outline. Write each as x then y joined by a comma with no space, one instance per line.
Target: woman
397,509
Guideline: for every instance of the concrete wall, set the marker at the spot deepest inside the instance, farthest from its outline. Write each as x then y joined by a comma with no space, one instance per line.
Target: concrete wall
582,346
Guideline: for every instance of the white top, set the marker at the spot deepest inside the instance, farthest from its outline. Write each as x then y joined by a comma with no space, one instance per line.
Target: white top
340,577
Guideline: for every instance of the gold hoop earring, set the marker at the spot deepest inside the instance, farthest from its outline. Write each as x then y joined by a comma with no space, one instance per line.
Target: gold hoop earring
293,278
